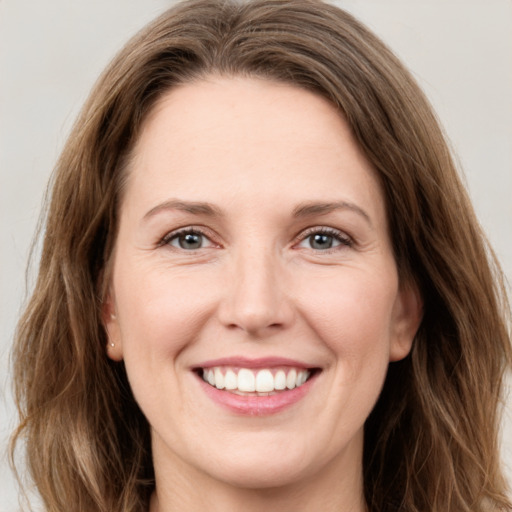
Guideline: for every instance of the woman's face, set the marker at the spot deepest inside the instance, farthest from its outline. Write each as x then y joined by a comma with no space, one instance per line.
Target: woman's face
253,253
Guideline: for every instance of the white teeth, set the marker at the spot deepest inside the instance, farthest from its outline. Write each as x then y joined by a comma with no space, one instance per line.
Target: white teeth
230,380
260,381
291,379
246,381
301,378
264,381
219,379
280,380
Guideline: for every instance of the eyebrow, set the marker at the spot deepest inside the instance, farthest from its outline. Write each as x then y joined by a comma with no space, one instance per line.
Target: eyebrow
195,208
311,209
302,210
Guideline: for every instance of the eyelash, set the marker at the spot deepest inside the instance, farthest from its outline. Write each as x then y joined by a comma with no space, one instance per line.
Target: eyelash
343,239
169,237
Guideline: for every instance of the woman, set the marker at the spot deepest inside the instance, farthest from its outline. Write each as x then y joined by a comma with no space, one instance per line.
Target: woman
262,283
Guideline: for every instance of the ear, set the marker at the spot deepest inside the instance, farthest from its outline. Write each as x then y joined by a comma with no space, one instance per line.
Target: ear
111,324
407,315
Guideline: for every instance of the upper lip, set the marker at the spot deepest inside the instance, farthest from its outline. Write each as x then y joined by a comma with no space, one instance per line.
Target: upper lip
261,362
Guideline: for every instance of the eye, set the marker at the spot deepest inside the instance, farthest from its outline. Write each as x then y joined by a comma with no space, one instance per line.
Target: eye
324,239
188,240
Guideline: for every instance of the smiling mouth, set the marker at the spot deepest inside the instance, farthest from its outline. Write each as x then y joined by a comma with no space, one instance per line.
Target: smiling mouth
256,382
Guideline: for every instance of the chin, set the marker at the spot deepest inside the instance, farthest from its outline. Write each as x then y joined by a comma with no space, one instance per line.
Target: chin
261,475
269,463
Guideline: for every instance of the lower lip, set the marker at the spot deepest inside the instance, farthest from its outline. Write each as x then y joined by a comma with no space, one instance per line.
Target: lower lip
252,405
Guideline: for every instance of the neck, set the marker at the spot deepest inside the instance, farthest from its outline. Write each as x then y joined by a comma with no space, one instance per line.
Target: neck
338,486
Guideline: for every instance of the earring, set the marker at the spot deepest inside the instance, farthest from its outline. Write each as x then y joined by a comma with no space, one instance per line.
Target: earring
112,317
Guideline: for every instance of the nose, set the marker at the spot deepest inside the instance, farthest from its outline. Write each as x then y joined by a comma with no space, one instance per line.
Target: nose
255,299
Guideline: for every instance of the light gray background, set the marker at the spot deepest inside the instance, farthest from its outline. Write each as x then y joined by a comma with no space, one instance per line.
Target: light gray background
52,51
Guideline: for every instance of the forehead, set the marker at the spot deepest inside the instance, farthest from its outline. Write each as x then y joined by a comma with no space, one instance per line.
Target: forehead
223,139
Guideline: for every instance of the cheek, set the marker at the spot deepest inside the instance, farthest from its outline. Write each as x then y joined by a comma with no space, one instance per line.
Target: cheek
159,318
353,314
160,312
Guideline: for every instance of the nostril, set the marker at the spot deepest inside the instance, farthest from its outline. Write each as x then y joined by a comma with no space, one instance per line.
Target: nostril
254,325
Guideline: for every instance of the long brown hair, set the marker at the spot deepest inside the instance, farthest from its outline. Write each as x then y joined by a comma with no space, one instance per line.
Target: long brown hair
431,443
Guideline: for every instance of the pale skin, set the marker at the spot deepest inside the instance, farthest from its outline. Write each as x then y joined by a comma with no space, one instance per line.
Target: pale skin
291,258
